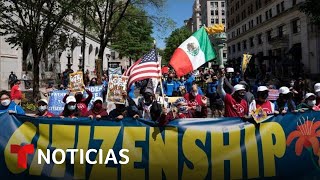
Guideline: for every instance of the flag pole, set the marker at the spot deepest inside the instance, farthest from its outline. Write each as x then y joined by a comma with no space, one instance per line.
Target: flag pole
160,73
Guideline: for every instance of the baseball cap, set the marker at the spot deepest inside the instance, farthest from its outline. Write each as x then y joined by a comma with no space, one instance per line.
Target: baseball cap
239,87
262,88
43,100
230,70
70,99
284,90
180,101
317,87
98,99
309,95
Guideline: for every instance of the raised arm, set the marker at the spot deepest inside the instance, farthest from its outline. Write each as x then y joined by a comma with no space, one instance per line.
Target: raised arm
220,89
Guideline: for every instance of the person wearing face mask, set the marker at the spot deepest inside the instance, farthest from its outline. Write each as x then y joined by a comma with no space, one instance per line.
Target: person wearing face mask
70,109
97,110
235,105
169,86
149,108
82,103
284,103
197,103
262,102
43,109
180,112
317,92
216,103
308,103
9,106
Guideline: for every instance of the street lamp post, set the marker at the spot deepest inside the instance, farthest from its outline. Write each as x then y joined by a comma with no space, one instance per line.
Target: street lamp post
69,58
80,62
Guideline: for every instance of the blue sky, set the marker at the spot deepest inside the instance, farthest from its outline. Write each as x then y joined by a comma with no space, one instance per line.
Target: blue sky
178,11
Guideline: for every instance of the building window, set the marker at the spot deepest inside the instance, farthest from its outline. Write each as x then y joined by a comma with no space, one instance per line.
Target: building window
269,35
212,13
280,31
222,12
294,2
245,44
222,4
229,49
259,39
217,13
216,4
282,6
212,20
278,9
239,47
233,48
258,4
224,55
217,21
270,13
223,21
296,26
211,3
267,15
251,42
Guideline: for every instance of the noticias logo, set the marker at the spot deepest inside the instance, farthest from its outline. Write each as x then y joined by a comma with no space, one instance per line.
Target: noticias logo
24,150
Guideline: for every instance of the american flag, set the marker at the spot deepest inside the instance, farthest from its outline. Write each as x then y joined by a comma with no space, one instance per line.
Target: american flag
144,68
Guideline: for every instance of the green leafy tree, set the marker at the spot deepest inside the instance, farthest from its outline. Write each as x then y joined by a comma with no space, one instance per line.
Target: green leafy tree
176,38
33,24
106,15
311,8
132,37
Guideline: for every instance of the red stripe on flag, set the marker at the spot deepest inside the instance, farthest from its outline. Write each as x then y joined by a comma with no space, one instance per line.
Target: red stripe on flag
181,62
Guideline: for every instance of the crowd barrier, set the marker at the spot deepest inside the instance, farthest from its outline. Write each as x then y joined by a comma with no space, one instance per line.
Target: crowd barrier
226,148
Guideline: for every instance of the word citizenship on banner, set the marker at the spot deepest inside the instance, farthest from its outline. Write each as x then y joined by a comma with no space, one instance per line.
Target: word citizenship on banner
226,148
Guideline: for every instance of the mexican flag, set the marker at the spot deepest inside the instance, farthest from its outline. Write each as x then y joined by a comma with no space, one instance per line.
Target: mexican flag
192,53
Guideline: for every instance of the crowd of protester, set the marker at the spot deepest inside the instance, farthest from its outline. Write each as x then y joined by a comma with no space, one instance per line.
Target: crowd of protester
223,92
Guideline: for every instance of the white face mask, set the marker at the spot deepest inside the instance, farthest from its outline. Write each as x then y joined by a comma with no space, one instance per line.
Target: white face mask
312,103
42,108
194,93
5,102
71,107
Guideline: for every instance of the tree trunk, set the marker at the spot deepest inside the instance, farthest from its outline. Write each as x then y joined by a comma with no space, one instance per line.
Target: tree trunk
25,52
35,83
100,56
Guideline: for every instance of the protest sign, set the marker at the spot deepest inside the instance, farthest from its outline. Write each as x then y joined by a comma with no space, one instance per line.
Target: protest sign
56,104
116,87
115,71
96,92
76,81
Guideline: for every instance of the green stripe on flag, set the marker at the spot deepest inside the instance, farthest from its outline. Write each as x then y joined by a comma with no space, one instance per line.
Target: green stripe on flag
205,44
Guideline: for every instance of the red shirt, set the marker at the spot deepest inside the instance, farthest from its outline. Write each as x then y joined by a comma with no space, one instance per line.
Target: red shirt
46,114
318,101
266,107
82,107
196,101
235,108
15,92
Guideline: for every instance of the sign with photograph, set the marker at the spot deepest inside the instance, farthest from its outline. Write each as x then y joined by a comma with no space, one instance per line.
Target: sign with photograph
116,87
